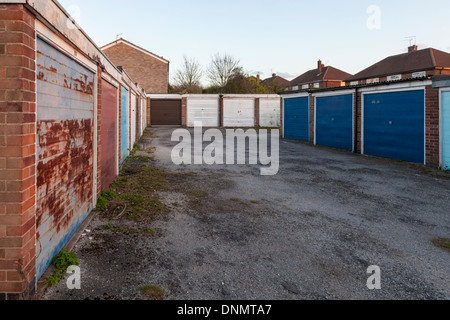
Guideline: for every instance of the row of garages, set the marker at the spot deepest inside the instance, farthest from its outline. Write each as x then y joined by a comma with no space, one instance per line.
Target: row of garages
73,118
87,122
406,121
215,110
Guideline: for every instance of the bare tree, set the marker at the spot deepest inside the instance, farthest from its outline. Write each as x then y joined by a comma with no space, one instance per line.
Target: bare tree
222,69
189,76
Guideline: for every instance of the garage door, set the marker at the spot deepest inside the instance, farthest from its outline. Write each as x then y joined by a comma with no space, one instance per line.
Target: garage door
108,134
133,120
269,110
124,124
65,150
296,118
446,129
334,122
394,125
205,110
239,113
165,112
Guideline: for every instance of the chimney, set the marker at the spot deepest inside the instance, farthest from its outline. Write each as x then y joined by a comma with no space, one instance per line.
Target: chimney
258,78
274,75
320,65
412,49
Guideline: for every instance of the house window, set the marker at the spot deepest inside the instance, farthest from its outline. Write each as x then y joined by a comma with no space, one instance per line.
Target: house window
316,85
295,88
305,86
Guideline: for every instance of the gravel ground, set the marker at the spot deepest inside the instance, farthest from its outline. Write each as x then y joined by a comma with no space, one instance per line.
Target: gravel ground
309,232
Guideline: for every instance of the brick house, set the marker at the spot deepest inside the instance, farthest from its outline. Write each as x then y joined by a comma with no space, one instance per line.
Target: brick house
411,65
148,69
319,78
275,80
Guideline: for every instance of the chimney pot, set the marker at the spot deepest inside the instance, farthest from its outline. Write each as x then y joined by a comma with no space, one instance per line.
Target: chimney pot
412,49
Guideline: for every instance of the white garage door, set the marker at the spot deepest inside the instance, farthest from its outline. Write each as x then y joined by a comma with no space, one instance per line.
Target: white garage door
239,113
204,110
270,112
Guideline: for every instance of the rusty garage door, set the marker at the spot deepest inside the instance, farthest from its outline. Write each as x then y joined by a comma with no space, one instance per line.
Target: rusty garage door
108,134
165,112
65,136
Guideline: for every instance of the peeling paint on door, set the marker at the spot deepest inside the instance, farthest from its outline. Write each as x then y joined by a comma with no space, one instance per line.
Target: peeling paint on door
65,135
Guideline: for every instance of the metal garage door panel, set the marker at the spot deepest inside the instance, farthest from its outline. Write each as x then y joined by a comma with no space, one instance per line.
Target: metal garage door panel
334,122
165,112
203,110
270,114
133,120
446,130
65,150
394,125
108,134
124,124
239,113
296,118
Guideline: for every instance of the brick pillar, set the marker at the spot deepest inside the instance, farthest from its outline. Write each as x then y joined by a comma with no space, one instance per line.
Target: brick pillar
257,112
281,118
432,138
17,153
149,120
99,131
311,119
221,111
184,111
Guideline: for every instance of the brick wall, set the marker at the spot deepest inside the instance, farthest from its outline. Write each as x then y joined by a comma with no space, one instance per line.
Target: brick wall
17,153
151,73
184,111
257,112
99,131
432,126
149,120
311,119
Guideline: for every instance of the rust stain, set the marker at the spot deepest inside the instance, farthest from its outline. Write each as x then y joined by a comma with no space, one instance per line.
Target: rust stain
65,161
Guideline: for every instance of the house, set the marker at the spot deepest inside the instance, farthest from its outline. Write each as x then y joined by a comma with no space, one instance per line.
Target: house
411,65
148,69
319,78
275,80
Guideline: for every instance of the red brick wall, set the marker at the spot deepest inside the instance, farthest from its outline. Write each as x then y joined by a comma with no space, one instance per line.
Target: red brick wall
311,119
184,111
17,152
149,120
257,112
99,131
151,73
432,126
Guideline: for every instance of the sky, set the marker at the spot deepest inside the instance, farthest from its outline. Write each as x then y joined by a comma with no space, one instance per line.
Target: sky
286,37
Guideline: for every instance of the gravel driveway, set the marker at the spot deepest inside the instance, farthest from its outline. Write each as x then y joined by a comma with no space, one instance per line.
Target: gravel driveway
309,232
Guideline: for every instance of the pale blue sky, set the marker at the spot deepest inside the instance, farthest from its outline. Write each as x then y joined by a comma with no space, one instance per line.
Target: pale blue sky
286,37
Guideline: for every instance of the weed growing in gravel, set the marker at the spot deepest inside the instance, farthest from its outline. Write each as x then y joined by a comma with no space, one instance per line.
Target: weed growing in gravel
153,292
62,261
442,243
254,201
108,226
197,193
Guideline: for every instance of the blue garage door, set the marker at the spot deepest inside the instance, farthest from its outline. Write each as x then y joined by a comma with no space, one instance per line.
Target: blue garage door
394,125
334,122
446,129
125,125
296,119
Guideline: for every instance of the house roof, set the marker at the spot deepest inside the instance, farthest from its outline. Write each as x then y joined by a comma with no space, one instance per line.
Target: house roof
275,79
121,40
315,75
415,61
